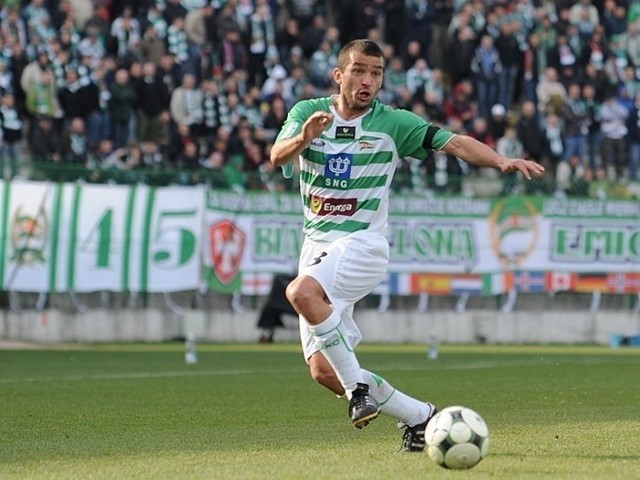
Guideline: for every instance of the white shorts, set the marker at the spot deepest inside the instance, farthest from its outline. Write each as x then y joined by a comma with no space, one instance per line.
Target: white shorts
348,270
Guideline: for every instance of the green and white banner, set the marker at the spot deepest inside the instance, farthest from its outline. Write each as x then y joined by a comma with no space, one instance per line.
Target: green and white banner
85,237
68,237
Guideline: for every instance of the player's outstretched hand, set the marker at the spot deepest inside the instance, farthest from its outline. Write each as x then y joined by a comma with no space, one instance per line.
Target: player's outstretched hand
315,125
528,168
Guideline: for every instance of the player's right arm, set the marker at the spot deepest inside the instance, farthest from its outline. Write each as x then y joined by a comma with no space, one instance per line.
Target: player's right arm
293,139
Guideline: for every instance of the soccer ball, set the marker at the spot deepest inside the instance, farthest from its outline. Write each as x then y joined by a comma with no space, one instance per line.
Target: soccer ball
457,437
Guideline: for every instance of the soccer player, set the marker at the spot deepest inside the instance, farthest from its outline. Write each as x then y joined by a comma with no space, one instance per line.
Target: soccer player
348,146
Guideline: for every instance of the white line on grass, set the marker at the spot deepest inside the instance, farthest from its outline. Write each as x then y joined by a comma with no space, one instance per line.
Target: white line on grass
381,368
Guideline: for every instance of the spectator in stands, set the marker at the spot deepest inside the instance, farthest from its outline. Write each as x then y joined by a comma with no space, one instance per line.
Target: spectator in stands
633,126
530,133
262,43
274,117
169,72
613,119
11,126
510,57
174,9
321,64
178,44
215,110
312,35
152,46
480,131
152,103
92,45
187,161
511,147
121,165
186,105
74,145
76,99
126,34
41,97
254,167
554,141
417,77
288,37
459,50
551,93
594,133
460,106
533,60
13,25
99,120
498,121
234,54
570,178
45,143
154,18
121,108
575,123
32,73
486,67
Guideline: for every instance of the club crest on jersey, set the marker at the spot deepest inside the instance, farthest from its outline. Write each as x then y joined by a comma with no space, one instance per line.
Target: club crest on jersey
337,171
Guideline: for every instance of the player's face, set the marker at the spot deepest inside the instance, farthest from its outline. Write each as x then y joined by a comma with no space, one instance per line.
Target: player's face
360,81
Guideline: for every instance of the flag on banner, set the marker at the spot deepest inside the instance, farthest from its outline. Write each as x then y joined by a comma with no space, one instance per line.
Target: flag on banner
591,282
623,282
434,283
256,283
530,282
560,281
497,283
400,284
471,284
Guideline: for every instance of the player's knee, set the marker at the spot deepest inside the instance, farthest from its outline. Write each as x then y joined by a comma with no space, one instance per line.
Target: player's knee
300,292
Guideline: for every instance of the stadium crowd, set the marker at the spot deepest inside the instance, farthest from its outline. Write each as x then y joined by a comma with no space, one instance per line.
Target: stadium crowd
189,91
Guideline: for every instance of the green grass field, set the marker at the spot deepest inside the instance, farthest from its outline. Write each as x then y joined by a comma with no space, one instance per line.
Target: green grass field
252,412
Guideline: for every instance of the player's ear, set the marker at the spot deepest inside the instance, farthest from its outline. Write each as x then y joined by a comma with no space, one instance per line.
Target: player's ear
337,75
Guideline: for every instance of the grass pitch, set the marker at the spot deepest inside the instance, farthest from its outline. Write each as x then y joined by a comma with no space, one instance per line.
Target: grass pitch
252,412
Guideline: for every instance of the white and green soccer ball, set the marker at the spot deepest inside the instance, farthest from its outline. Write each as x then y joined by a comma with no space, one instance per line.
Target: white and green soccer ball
457,437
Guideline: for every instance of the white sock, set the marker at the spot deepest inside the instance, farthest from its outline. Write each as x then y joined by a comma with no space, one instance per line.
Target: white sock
338,352
395,403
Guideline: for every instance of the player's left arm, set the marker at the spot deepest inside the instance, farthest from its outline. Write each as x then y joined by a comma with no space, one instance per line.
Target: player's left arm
477,153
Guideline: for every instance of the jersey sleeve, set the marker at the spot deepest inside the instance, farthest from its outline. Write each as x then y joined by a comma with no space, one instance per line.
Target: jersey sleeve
296,117
412,134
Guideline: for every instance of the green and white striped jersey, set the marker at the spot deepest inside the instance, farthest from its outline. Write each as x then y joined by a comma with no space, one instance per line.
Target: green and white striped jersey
345,173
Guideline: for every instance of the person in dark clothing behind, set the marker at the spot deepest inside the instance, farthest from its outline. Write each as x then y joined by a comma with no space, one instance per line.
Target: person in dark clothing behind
46,149
77,98
12,125
121,107
530,133
152,101
276,305
534,142
511,58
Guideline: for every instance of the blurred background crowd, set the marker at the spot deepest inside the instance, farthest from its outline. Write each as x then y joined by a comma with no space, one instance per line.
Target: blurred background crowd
194,91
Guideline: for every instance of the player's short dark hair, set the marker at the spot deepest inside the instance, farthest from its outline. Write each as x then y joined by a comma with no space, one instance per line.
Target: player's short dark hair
367,47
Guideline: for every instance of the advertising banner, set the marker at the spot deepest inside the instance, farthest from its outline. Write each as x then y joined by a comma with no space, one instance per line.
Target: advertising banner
84,237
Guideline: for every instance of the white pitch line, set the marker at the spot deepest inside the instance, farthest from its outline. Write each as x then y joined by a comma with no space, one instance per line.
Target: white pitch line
428,366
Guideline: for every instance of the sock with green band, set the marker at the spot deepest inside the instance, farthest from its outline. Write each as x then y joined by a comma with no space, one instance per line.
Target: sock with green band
338,352
395,403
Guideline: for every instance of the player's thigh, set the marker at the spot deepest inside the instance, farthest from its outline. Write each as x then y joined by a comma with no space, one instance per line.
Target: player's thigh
347,269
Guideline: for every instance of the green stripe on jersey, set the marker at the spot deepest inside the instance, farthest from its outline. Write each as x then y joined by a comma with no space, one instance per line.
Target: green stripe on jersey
382,137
